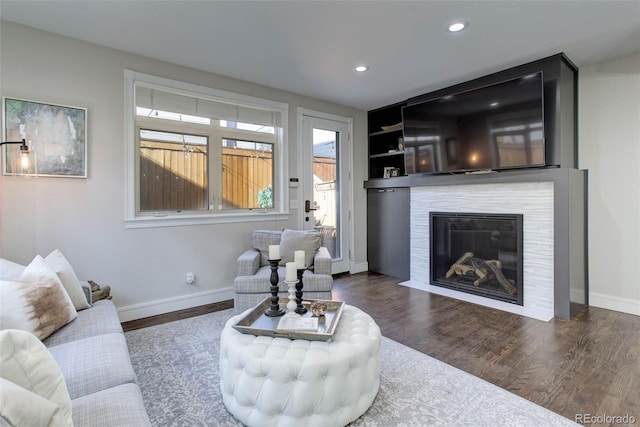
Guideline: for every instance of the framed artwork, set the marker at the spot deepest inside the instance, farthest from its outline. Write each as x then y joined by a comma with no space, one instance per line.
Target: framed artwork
387,172
56,133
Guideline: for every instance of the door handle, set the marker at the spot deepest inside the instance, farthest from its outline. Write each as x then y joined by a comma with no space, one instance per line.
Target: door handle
307,206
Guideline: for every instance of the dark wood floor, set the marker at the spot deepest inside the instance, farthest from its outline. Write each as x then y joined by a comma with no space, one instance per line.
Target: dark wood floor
586,365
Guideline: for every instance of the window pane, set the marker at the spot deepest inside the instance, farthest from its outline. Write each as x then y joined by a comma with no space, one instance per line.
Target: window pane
173,171
247,174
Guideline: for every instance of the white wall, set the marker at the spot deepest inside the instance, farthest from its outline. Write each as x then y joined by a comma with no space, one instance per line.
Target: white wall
609,147
84,217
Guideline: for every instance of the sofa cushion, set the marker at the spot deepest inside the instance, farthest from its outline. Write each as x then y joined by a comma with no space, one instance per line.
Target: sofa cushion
63,269
117,406
299,240
10,270
101,318
262,239
94,363
33,386
41,307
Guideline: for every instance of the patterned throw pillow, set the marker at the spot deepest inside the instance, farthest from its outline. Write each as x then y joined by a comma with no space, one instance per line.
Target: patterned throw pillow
37,302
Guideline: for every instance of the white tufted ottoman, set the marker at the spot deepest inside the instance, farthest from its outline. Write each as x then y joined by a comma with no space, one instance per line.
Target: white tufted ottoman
281,382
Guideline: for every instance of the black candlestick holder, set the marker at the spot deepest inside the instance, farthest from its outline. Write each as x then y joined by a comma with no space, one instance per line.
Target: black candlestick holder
300,309
274,310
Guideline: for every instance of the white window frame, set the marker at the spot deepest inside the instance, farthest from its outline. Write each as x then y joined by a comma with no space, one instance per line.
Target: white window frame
133,219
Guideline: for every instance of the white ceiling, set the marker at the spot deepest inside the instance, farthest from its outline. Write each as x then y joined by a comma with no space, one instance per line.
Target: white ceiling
311,47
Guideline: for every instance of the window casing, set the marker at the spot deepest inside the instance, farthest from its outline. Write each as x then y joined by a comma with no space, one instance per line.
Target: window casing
199,155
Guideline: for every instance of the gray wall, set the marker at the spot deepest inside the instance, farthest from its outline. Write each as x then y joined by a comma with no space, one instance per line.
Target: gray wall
84,217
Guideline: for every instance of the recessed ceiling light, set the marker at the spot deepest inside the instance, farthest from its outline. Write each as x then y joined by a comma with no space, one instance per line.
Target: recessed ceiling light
361,68
457,26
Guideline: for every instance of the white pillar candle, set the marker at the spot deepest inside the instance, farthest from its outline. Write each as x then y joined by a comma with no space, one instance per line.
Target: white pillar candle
291,273
274,252
298,258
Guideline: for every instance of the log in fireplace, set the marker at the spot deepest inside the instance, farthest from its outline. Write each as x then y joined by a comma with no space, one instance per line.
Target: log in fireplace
478,253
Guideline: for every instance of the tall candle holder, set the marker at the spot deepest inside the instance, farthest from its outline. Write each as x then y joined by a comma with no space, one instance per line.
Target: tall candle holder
291,305
300,308
274,310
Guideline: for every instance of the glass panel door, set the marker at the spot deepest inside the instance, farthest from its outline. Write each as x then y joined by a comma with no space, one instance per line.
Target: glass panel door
325,202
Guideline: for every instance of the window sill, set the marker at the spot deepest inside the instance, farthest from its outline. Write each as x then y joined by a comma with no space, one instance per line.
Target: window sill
178,220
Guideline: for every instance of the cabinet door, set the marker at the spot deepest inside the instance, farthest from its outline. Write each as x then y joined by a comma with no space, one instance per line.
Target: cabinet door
388,231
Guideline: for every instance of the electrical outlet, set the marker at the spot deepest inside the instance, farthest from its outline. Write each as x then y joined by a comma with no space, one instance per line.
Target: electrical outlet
191,278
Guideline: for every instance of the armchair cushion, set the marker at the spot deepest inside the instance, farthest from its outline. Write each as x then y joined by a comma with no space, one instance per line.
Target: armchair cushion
322,261
294,240
261,240
249,262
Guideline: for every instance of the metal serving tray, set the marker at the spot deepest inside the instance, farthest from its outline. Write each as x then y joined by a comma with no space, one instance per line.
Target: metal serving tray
256,323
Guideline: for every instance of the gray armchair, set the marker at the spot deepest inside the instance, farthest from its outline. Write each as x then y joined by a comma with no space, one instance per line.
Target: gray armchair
253,284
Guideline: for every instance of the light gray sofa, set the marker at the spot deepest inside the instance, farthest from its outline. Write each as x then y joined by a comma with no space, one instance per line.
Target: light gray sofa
252,284
92,354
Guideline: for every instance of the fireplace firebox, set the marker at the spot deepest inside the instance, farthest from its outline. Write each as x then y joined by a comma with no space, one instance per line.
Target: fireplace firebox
478,253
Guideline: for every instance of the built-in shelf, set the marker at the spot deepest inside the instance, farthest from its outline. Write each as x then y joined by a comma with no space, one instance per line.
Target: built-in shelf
395,153
381,140
386,132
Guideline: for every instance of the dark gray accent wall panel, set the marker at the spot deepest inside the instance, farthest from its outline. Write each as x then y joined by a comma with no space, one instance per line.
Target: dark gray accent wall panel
388,231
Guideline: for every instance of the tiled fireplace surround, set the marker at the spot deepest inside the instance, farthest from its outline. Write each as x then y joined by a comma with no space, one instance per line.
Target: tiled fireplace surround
554,274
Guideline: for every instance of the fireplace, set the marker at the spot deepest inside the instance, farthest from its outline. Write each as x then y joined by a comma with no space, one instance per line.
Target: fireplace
478,253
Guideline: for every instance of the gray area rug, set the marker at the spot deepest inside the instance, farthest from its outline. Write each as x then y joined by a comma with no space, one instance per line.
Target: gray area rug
177,368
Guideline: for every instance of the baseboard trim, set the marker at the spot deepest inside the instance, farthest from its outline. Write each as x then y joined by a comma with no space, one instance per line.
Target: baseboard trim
624,305
153,308
358,267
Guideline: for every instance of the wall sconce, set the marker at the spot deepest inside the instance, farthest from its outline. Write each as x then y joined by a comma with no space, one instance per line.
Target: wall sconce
21,161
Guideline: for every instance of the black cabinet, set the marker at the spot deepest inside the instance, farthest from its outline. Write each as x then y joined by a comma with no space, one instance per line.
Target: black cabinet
386,146
388,231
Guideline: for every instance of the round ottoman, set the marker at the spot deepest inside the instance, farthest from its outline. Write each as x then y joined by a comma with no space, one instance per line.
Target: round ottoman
281,382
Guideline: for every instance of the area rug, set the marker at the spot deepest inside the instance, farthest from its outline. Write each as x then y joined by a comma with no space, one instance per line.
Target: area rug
177,368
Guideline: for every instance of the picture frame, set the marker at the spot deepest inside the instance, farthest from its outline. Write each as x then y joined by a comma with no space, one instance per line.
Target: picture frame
395,172
387,171
56,133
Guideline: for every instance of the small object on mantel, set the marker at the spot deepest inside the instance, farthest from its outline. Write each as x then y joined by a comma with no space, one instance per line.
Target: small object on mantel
319,308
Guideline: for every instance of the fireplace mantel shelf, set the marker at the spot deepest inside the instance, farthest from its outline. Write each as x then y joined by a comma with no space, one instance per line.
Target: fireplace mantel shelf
493,177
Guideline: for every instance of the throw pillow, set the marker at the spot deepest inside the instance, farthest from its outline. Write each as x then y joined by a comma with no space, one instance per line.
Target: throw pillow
10,270
63,269
261,240
40,308
299,240
21,407
33,389
37,302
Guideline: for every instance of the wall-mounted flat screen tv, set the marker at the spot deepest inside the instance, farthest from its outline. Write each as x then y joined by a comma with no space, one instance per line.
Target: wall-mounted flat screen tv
500,126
